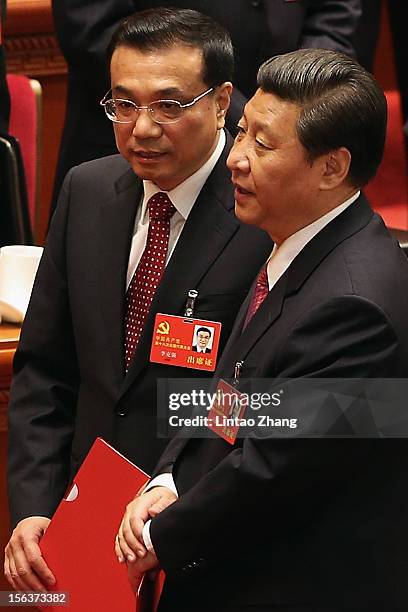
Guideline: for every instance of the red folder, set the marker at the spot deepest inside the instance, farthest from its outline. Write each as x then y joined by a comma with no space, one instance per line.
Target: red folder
78,545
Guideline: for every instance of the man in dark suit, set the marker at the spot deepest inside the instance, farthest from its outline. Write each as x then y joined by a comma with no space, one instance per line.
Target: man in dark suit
295,523
259,29
132,220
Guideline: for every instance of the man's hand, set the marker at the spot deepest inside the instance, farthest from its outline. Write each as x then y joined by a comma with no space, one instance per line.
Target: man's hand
129,542
137,569
24,566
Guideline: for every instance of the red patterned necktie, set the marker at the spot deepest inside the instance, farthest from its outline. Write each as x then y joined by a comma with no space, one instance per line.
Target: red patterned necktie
151,266
259,293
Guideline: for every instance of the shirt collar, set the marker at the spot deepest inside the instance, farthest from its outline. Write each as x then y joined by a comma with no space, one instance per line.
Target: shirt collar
184,195
281,257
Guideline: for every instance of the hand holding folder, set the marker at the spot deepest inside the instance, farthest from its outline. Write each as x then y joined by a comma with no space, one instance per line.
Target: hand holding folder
79,543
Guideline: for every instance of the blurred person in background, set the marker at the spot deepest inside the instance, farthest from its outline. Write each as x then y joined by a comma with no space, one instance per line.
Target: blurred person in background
259,29
4,93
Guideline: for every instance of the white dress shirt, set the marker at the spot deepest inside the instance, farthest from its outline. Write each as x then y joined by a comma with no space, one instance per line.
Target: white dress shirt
182,197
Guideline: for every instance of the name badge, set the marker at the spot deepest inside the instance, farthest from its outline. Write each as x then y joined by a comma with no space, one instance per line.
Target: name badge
186,342
227,411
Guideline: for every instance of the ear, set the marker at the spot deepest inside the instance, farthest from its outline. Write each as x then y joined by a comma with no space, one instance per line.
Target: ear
335,168
222,100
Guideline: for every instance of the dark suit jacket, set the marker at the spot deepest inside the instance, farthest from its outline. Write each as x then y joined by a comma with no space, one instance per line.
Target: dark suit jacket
301,524
259,29
69,384
366,35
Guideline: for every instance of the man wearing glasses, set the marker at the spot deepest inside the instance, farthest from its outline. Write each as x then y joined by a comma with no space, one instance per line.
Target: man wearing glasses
122,247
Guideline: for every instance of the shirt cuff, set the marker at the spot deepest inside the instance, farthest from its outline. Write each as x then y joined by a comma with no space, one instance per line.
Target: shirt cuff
146,537
162,480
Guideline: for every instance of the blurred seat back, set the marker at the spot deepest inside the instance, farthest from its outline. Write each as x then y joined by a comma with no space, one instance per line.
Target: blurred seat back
25,125
15,227
388,191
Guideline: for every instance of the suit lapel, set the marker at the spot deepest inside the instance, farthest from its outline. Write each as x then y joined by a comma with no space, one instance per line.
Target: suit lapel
116,228
354,218
209,227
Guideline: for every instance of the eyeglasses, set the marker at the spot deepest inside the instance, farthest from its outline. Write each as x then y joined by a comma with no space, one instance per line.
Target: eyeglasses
161,111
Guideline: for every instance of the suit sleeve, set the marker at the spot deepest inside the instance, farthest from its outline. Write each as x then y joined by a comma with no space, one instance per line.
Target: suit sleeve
44,388
84,29
331,24
280,482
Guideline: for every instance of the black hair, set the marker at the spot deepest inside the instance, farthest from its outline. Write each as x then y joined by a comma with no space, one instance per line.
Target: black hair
162,28
341,106
205,329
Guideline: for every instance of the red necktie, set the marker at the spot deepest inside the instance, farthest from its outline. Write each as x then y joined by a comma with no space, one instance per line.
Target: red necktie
260,292
151,266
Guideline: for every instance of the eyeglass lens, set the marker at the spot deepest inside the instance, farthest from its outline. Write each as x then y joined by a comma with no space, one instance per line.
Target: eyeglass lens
163,111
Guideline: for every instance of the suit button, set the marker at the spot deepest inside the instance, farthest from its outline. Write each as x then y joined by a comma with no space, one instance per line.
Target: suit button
120,412
188,566
256,3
